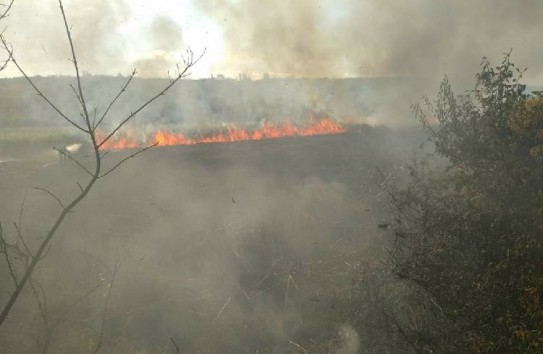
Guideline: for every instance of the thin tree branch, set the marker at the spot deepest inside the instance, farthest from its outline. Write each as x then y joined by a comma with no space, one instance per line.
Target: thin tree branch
20,238
189,62
224,306
298,346
4,13
74,304
74,160
10,56
43,247
95,112
51,194
38,91
4,250
127,158
175,345
76,94
123,89
81,97
45,244
106,302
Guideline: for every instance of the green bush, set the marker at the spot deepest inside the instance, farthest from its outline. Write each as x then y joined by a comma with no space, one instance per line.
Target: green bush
470,233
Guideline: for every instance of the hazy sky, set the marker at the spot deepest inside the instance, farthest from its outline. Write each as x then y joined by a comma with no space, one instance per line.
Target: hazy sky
315,38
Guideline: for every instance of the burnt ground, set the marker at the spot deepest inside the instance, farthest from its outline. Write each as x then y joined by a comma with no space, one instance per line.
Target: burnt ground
228,248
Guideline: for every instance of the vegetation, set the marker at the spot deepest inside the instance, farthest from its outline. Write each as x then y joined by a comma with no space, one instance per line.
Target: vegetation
88,124
468,223
291,277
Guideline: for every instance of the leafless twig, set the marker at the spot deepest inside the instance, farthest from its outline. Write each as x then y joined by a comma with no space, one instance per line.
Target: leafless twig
175,345
5,12
113,272
122,90
298,346
51,194
63,153
89,128
127,158
224,306
4,250
8,48
189,62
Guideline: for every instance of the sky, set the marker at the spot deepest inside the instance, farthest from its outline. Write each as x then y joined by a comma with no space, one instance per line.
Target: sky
304,38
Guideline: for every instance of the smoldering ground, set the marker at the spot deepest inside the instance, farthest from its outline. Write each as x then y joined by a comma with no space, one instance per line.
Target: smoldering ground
227,248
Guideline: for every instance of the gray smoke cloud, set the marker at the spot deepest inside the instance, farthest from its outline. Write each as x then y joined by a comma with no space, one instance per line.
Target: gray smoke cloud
378,38
412,42
308,38
103,41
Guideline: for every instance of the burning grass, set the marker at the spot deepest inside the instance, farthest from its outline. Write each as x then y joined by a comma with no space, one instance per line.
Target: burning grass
230,133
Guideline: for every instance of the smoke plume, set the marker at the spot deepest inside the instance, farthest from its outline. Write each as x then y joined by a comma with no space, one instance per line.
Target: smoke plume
376,38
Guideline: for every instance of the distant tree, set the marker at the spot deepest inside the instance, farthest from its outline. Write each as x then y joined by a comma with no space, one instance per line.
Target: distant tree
468,220
19,257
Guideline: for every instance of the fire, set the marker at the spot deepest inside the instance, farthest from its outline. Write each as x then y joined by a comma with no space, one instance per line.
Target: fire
161,137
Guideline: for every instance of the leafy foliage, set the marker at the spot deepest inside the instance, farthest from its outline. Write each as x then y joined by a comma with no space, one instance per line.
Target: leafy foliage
471,233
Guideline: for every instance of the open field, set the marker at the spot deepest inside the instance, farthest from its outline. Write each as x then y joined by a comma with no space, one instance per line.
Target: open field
228,248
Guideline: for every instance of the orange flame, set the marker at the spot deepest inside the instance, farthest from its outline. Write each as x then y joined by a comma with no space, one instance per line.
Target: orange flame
161,137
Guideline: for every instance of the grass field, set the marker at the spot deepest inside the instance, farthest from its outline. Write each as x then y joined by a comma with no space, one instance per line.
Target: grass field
258,246
35,135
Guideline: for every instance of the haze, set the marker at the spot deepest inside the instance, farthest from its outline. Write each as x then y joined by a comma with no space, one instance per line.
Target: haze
306,38
262,202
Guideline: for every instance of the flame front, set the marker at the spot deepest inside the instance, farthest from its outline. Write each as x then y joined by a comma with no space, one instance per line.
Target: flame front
161,137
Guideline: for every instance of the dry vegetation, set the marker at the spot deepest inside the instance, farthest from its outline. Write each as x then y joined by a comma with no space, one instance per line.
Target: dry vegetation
260,246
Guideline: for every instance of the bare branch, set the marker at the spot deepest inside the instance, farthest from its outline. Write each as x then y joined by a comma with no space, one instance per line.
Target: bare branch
74,160
127,158
31,261
46,253
116,268
38,91
298,346
43,248
41,301
224,306
23,242
10,56
189,62
5,252
5,13
123,89
75,303
51,194
81,97
175,345
76,94
19,230
94,113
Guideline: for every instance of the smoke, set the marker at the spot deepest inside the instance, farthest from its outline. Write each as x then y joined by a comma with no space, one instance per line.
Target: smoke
414,42
309,38
350,341
110,37
165,38
231,248
376,38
